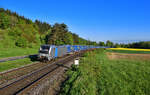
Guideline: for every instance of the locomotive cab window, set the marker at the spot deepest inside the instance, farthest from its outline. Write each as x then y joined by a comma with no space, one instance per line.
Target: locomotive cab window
45,47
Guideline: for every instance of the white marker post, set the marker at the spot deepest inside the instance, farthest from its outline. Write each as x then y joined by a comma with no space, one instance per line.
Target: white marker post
76,62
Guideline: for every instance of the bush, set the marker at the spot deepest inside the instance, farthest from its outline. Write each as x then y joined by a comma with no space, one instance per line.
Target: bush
21,42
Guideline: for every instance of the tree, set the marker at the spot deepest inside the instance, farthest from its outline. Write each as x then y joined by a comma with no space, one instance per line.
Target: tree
117,45
4,21
13,21
21,42
75,39
60,35
68,39
101,44
109,43
43,27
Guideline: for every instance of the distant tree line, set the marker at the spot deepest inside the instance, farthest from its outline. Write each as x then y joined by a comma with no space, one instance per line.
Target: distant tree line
22,32
108,43
142,44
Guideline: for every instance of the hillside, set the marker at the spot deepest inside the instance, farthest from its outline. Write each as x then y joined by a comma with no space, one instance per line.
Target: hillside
18,31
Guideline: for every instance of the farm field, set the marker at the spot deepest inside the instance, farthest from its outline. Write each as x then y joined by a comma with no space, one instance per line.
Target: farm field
129,50
139,57
99,74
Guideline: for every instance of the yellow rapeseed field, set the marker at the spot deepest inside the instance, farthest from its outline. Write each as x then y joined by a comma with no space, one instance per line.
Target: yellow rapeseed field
129,49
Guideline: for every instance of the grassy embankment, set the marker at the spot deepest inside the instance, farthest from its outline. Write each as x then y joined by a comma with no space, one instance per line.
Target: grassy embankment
15,51
11,52
14,64
98,75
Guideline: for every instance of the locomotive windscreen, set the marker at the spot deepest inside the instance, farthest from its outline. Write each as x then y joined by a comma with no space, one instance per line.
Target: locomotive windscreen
44,47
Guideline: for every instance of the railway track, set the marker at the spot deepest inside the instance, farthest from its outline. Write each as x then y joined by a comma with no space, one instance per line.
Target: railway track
26,81
8,77
14,74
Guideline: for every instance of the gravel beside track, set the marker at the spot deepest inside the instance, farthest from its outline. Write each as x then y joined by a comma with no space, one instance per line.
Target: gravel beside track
49,84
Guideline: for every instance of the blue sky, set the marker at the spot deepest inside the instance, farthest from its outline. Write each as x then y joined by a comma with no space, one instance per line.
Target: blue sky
97,20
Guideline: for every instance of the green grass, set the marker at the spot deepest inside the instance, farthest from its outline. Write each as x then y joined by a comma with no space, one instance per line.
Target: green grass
97,75
129,51
11,52
14,64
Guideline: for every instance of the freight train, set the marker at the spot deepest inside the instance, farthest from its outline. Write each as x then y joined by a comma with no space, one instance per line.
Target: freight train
48,52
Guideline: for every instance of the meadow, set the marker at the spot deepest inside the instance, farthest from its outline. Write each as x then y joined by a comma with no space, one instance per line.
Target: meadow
99,75
12,52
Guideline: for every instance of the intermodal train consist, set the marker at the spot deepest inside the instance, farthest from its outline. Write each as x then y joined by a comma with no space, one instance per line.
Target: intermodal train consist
48,52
